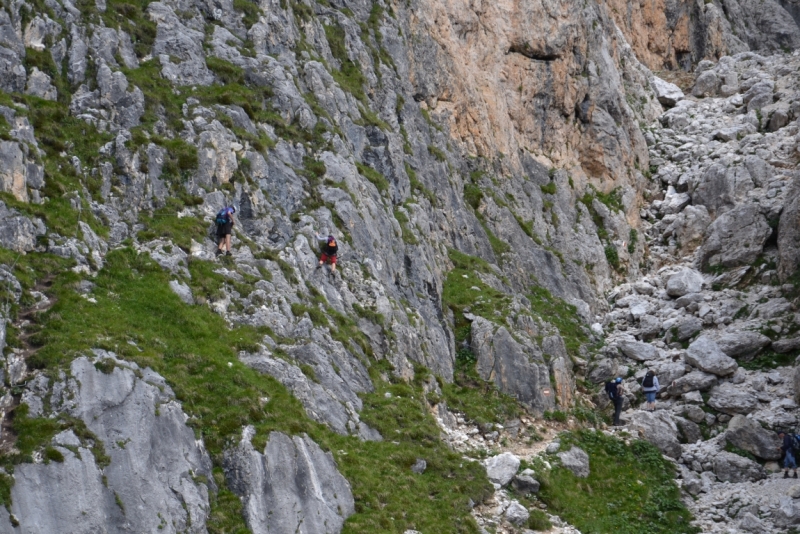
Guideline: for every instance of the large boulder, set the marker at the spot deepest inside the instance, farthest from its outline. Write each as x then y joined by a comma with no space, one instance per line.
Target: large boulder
706,84
636,350
694,381
501,468
668,94
750,436
518,370
683,282
732,399
742,344
576,460
730,467
294,482
705,354
659,429
736,238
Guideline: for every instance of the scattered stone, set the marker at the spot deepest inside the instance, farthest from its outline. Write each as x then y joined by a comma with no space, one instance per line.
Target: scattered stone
750,436
419,466
683,282
501,468
576,460
517,514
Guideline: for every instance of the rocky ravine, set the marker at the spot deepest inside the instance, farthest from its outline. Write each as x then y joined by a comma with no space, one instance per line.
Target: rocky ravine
526,134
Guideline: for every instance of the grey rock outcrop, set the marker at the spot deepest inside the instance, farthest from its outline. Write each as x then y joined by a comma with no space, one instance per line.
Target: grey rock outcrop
151,474
789,233
293,487
329,396
518,370
705,354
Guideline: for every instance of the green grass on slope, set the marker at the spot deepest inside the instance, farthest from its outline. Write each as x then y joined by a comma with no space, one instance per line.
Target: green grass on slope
137,316
630,489
463,291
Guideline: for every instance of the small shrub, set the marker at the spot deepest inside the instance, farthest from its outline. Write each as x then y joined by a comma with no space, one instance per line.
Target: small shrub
538,520
549,189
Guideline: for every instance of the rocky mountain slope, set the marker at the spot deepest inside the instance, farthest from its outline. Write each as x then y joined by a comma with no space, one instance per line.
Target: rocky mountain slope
523,210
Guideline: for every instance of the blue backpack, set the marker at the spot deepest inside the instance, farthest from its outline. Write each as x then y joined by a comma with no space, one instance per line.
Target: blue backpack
222,216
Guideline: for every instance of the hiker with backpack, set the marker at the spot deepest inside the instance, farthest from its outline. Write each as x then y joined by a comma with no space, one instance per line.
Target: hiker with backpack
225,224
329,251
615,393
789,447
650,388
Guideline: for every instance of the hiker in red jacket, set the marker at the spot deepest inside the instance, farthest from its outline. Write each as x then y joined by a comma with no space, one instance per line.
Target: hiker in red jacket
329,250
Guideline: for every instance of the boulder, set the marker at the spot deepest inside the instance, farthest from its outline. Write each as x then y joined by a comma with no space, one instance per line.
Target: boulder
603,370
683,282
525,482
636,350
659,429
692,382
689,430
750,523
742,344
576,460
705,354
668,94
731,399
706,84
730,467
516,513
736,238
750,436
782,346
686,328
501,468
294,482
788,513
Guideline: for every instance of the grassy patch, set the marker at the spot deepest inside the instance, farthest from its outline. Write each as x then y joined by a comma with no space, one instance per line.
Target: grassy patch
562,315
349,75
181,230
770,359
376,178
630,489
549,189
408,235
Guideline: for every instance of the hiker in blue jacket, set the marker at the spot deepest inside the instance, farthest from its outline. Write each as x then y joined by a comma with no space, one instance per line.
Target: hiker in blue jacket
788,450
650,388
225,224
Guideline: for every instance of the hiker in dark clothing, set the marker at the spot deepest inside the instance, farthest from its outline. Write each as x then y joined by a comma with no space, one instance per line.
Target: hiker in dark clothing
615,393
225,224
329,250
788,450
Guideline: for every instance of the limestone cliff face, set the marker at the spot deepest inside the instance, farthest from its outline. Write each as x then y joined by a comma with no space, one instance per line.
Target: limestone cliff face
679,34
502,139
